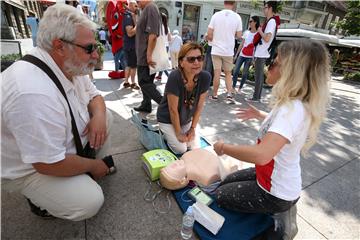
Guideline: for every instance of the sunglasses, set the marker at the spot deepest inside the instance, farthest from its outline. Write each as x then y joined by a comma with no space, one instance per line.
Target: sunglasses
192,59
273,64
89,49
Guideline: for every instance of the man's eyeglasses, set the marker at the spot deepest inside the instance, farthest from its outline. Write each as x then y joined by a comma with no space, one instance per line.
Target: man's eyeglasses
192,59
89,49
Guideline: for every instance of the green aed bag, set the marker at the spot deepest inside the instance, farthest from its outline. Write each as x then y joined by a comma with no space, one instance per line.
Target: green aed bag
155,160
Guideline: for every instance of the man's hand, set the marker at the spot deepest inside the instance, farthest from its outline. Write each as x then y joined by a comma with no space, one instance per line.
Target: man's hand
151,62
96,131
99,169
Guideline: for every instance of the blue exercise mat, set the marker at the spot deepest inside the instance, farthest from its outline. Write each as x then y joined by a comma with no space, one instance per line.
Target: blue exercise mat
239,226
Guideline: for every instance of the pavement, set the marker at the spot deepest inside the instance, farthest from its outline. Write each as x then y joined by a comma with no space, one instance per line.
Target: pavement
329,207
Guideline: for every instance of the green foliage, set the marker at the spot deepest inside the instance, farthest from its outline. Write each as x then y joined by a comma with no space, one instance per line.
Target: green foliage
101,48
10,57
353,76
350,23
260,4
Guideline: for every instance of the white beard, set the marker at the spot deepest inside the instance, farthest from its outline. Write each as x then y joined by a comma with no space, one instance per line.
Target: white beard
78,69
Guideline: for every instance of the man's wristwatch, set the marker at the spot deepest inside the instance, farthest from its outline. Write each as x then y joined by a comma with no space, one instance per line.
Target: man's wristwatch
108,160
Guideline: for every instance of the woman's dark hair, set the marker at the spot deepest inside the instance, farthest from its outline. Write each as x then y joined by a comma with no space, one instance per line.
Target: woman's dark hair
256,19
272,4
164,20
187,47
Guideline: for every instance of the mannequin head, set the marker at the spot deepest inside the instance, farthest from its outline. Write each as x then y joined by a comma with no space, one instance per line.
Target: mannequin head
173,176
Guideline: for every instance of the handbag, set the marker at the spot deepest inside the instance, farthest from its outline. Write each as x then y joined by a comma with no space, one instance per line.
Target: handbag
150,137
159,54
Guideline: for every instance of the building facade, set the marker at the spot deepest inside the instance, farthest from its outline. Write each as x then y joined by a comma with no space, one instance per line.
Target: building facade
194,16
14,13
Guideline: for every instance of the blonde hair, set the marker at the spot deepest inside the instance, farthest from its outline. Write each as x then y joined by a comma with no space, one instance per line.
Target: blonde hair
305,75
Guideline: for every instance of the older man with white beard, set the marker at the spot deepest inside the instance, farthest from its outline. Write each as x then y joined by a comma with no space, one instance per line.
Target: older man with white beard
39,155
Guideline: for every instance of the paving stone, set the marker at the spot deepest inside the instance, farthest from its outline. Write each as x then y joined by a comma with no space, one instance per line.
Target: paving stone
125,214
332,205
18,222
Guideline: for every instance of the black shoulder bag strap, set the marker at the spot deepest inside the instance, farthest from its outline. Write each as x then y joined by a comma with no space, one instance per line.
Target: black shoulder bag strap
43,66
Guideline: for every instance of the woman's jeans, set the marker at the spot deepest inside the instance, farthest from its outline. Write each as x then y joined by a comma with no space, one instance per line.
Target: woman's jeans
245,73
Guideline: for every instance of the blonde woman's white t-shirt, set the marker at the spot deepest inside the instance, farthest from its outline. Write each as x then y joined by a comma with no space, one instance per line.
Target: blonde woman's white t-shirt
281,177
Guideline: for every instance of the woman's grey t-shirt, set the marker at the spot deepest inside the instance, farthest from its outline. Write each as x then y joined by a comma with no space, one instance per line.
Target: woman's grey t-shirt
176,86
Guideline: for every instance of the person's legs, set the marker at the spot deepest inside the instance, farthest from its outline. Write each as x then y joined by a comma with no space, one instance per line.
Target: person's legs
227,64
259,77
34,40
74,198
176,59
241,175
117,59
245,72
122,59
217,72
172,141
238,64
173,60
132,76
127,68
146,82
209,64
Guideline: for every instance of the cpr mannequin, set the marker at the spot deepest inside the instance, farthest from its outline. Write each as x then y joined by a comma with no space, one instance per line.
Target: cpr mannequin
199,165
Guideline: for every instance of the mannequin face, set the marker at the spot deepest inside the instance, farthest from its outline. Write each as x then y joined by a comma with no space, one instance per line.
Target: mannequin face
177,169
173,176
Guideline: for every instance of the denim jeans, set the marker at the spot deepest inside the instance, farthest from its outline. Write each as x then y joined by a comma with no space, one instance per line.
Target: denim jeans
245,72
119,59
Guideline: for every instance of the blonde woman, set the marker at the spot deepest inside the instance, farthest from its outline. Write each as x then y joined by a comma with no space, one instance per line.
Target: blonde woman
299,75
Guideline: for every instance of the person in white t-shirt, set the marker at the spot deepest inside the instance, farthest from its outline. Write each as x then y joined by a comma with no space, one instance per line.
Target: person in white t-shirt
102,36
39,156
299,105
174,47
262,49
245,52
223,28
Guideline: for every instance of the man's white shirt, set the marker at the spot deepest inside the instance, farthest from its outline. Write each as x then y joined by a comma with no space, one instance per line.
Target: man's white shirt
261,50
225,25
35,121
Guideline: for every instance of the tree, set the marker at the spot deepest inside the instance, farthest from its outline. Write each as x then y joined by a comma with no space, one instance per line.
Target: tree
350,23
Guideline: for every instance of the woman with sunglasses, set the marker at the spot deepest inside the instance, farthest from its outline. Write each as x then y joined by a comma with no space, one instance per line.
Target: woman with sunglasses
245,52
185,93
300,95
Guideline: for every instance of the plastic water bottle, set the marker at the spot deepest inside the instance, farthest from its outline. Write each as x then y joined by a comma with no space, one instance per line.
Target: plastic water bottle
187,224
